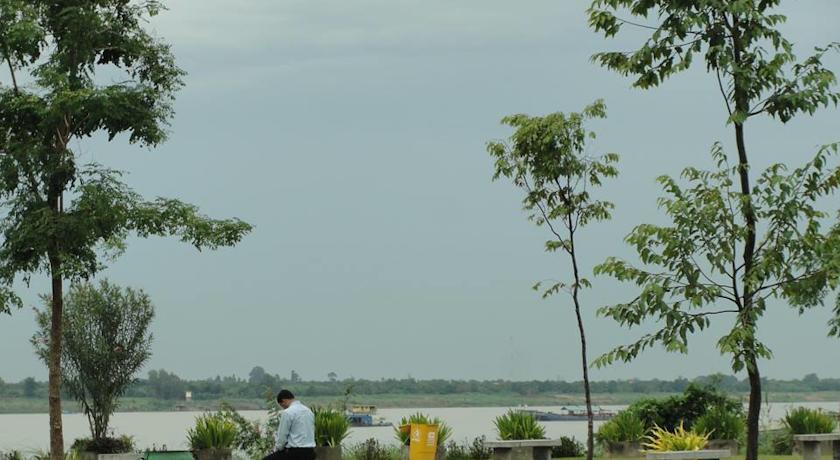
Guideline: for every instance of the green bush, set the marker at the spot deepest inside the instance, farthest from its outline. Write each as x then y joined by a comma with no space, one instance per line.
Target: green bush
669,412
371,450
476,450
782,443
212,431
625,426
569,447
12,455
331,427
802,420
721,423
518,425
121,445
443,434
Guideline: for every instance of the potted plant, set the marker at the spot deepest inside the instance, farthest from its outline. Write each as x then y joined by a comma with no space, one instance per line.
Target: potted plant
680,440
622,435
444,432
105,448
212,437
725,428
106,341
331,428
803,420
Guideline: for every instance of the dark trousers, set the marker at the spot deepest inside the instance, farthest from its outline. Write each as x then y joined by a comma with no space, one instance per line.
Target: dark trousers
292,453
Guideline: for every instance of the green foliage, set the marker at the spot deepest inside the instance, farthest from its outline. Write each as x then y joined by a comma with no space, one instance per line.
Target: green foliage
679,292
569,447
721,423
331,427
443,434
661,440
695,401
475,450
251,437
782,443
371,450
106,341
803,420
739,41
212,431
518,425
121,445
625,426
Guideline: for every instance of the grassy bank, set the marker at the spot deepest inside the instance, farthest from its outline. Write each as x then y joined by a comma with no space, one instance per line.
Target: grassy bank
33,406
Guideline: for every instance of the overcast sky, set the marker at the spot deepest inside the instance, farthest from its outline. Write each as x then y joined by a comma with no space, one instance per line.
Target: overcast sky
352,135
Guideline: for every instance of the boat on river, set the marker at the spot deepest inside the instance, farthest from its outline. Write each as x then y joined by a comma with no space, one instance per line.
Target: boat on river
365,416
569,414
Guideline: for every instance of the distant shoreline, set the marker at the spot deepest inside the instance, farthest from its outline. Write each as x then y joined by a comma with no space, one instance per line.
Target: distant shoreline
393,400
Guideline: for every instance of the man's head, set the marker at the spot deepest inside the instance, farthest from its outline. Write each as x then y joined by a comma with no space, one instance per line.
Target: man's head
285,398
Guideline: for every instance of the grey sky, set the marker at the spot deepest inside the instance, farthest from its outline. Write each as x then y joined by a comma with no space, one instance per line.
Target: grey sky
351,133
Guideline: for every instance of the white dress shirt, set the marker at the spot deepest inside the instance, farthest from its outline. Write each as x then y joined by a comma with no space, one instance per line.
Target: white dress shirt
297,427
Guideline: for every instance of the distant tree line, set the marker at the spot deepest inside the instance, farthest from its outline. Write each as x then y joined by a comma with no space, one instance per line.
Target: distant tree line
162,384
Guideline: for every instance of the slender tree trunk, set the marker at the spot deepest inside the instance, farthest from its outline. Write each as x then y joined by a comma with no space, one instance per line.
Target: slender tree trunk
590,443
54,361
742,108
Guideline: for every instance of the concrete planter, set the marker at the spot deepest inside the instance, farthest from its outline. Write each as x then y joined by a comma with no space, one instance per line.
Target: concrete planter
724,444
623,449
213,454
825,447
124,456
328,453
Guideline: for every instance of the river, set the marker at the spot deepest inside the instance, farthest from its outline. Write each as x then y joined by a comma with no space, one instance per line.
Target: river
28,432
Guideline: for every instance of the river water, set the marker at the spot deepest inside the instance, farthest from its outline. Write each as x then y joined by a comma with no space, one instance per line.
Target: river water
29,432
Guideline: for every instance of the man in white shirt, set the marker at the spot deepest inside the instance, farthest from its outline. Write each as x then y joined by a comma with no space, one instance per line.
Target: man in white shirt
295,438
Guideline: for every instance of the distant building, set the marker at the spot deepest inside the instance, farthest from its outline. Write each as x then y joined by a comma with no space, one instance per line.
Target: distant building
188,395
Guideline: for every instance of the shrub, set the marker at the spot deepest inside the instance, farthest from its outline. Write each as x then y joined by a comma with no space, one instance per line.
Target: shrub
331,427
668,413
782,443
252,438
371,450
212,431
443,434
518,425
476,450
12,455
661,440
720,423
804,421
626,426
106,445
569,447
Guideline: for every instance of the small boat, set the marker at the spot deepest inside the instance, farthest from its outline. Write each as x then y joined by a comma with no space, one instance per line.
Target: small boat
570,413
364,416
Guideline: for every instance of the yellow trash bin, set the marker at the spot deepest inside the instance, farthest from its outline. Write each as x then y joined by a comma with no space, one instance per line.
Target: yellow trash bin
422,443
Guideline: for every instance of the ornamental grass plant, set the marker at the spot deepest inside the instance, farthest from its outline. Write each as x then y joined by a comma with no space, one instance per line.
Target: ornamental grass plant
518,425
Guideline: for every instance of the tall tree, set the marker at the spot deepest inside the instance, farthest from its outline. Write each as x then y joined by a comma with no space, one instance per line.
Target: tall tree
756,74
106,341
546,157
79,68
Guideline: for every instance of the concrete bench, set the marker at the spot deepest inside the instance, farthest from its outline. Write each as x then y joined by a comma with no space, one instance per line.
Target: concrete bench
530,449
689,455
811,444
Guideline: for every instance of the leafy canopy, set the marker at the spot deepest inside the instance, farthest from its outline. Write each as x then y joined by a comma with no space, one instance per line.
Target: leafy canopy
80,69
690,268
546,157
739,41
